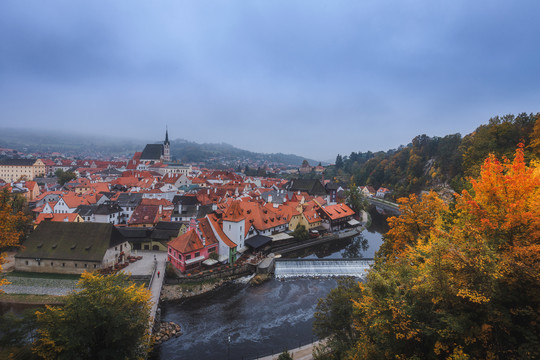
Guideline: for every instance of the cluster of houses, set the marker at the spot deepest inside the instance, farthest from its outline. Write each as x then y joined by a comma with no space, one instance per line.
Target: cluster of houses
196,215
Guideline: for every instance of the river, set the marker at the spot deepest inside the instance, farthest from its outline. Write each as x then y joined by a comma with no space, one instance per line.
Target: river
259,320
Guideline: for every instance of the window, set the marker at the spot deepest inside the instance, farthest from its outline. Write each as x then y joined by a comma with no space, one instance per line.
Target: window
85,266
39,263
211,250
26,262
197,254
63,264
75,264
51,263
95,266
188,257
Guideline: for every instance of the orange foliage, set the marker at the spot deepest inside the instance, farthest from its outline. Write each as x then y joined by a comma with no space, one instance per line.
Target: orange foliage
415,223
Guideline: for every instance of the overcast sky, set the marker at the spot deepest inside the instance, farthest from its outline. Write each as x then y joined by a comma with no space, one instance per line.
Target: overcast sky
314,78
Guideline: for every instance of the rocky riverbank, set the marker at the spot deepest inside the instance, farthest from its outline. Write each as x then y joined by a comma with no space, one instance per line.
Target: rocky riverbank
187,290
167,330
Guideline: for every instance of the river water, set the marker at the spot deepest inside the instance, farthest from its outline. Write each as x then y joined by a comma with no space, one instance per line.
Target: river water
259,320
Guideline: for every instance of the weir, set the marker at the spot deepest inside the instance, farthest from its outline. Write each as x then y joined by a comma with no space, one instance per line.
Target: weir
287,268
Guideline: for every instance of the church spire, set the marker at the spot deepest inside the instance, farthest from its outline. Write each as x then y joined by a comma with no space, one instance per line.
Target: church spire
166,147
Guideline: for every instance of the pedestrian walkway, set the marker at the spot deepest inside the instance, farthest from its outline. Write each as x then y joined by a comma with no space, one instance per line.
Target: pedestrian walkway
152,263
302,353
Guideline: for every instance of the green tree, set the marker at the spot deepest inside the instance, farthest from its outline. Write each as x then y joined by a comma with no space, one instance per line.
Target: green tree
339,161
355,199
333,317
107,319
300,233
16,333
65,176
285,356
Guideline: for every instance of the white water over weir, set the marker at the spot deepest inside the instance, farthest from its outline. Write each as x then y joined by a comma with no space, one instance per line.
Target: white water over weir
287,268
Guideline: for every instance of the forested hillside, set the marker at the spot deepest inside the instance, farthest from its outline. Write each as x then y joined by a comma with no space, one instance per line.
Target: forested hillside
451,281
436,162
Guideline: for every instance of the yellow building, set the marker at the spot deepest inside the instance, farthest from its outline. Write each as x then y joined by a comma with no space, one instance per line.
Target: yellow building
21,169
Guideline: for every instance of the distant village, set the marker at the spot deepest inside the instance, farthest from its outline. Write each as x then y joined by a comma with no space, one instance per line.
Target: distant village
199,216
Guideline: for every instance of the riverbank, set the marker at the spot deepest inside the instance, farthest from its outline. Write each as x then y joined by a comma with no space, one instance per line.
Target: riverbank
31,299
188,290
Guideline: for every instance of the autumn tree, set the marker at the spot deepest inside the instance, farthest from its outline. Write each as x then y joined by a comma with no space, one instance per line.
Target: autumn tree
13,226
107,319
458,282
417,219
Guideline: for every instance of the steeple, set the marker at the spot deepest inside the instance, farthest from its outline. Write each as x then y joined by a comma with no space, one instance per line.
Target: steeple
166,147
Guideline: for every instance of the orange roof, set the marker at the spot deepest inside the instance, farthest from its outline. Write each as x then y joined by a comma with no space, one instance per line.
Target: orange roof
73,201
213,220
187,242
70,217
312,216
337,211
234,212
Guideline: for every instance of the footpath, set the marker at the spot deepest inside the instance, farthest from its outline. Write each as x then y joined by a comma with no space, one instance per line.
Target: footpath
302,353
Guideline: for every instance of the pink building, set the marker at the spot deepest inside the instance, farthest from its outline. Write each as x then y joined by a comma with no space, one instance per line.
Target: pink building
189,250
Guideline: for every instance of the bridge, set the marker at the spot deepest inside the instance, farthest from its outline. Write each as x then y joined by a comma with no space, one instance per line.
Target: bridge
287,268
384,204
147,269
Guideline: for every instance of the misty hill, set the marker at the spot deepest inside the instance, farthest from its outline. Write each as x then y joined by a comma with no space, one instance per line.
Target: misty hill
91,146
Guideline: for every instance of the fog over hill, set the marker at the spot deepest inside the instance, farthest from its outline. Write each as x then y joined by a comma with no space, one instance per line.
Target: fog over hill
109,145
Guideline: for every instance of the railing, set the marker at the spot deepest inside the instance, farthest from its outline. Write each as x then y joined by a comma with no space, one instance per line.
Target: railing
153,275
289,346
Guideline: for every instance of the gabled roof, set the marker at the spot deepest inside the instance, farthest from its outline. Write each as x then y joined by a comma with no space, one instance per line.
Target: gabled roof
311,186
72,201
337,211
135,234
144,214
18,162
70,241
69,217
152,152
214,222
234,213
129,199
187,242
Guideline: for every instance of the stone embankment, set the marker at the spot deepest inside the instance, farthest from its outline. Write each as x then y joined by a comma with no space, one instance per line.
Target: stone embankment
167,330
183,291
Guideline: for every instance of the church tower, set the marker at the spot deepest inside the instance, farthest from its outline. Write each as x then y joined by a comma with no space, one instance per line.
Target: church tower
166,147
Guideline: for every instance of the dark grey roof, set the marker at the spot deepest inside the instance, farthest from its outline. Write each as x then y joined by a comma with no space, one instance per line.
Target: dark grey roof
110,171
85,210
204,210
70,241
152,152
165,230
185,200
107,208
18,162
135,234
129,199
311,186
168,225
258,241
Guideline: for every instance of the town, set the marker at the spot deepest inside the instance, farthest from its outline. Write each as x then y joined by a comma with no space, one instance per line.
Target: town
200,217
